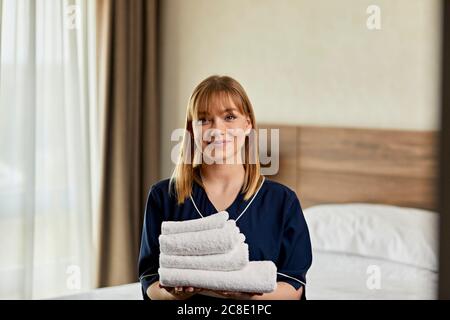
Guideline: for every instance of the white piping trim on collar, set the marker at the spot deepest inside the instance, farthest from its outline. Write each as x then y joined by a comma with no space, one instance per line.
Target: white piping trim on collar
243,211
253,198
193,202
285,275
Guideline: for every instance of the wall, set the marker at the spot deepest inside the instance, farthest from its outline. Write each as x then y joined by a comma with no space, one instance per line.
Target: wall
305,62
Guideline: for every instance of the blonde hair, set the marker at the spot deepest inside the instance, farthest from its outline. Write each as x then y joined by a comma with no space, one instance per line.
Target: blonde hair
186,172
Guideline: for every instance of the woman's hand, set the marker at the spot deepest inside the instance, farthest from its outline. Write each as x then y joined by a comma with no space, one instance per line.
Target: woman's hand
238,295
284,291
158,292
181,293
231,294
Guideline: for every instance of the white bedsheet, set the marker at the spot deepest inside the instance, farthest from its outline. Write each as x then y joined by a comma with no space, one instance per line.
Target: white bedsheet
130,291
343,277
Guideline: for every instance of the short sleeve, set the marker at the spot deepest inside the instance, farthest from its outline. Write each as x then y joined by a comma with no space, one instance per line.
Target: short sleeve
148,263
295,256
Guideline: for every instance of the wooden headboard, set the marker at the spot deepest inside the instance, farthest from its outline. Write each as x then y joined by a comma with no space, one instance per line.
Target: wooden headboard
344,165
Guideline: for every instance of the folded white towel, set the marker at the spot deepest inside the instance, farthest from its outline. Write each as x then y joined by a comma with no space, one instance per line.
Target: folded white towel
211,241
236,259
214,221
256,277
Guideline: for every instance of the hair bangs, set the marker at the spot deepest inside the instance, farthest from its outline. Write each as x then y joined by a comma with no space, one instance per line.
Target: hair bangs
213,98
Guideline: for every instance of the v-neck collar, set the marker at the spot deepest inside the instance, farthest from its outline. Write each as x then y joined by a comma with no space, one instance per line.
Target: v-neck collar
232,208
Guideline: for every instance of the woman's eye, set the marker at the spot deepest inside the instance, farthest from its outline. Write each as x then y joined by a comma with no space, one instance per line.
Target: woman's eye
203,121
230,117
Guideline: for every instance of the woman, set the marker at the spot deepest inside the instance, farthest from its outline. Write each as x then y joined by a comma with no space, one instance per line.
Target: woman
210,177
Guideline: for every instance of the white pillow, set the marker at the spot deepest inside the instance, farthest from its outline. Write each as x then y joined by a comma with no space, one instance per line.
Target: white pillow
404,235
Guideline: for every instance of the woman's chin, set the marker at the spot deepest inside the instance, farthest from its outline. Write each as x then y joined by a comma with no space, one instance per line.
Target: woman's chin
220,158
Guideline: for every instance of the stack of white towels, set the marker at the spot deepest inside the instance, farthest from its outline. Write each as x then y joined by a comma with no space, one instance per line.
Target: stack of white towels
210,253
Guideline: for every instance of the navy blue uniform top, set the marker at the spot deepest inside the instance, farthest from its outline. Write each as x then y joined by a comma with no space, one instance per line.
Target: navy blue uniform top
274,228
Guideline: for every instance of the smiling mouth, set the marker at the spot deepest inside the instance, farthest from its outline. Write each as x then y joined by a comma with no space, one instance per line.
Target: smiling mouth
219,142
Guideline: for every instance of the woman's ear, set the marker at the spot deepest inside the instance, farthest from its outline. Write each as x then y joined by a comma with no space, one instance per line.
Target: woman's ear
249,126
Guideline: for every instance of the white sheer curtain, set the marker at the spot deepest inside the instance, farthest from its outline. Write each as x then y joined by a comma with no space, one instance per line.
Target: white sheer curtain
48,147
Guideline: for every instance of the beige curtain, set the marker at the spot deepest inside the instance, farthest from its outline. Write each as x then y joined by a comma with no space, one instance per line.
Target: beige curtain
127,79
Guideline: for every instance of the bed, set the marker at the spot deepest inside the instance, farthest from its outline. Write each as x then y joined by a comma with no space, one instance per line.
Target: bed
369,197
372,251
130,291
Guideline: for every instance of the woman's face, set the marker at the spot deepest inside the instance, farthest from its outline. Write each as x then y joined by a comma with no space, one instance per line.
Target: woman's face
221,133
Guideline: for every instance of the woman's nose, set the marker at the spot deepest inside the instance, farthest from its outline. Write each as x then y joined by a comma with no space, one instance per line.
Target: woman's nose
218,124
